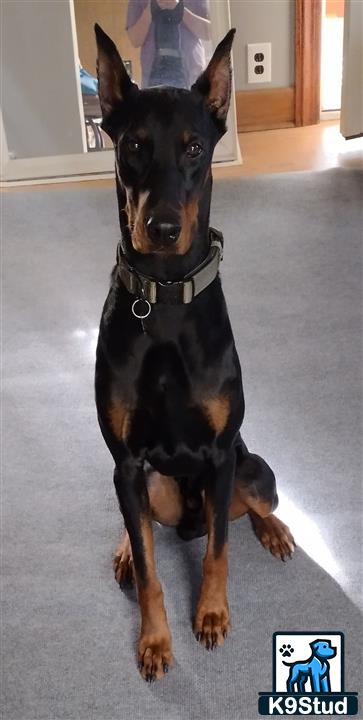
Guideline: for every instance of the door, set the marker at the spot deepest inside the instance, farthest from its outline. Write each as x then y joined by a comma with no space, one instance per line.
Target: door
351,117
44,126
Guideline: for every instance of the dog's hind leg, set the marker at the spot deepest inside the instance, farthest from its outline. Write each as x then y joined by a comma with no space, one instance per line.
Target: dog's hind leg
166,501
177,503
289,686
295,678
255,493
123,564
301,684
166,508
274,535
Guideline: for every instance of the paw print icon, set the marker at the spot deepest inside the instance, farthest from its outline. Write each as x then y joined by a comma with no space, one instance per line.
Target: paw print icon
286,650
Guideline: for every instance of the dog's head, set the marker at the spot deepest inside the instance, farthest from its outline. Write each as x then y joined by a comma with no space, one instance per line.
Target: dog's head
323,649
164,140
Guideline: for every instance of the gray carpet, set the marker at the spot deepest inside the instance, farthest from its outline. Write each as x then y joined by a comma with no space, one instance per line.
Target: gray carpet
292,278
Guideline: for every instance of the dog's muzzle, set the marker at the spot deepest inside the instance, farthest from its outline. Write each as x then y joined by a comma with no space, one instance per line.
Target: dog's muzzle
162,234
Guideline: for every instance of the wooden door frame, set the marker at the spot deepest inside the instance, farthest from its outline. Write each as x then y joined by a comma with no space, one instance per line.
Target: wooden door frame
308,18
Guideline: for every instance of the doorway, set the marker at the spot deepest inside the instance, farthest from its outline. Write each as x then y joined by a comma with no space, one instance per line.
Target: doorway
189,51
44,131
332,33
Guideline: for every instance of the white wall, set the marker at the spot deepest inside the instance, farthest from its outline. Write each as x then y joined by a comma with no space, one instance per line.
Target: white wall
264,21
39,90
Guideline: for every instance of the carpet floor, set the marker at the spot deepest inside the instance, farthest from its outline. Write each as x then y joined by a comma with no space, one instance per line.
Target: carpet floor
292,278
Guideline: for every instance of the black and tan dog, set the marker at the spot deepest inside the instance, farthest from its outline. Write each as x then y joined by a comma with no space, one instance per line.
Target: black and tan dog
168,381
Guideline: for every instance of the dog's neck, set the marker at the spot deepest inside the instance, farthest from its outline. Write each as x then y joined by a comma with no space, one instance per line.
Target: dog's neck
168,267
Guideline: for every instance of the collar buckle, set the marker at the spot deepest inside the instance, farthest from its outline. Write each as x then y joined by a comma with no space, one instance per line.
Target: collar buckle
188,291
149,288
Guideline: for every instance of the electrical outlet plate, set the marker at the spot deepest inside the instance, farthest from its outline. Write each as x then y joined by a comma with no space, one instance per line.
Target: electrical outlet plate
253,50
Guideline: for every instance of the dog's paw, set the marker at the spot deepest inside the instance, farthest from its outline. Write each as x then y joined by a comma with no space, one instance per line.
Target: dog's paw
211,625
123,563
154,656
274,535
286,650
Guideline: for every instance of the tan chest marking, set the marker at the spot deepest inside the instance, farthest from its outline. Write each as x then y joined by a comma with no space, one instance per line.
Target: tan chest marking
217,410
120,419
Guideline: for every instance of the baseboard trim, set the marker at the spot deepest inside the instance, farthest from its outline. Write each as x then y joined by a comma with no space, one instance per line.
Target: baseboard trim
265,109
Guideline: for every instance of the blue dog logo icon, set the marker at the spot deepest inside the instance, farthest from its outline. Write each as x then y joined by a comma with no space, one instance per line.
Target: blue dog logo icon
312,684
316,668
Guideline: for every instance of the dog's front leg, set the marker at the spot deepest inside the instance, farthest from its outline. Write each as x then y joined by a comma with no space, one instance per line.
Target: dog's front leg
211,622
154,647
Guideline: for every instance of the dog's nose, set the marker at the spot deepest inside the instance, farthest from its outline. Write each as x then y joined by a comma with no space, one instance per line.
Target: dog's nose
162,233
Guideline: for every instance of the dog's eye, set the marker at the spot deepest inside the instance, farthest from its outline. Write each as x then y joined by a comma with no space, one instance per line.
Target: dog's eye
133,145
194,149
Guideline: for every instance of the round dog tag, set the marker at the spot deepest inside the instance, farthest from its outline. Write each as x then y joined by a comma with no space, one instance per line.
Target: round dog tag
141,308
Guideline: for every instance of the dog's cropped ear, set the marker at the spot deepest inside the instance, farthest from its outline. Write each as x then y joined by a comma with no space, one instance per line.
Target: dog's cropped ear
114,84
215,83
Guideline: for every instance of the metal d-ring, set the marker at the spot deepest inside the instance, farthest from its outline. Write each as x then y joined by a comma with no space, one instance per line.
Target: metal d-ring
141,316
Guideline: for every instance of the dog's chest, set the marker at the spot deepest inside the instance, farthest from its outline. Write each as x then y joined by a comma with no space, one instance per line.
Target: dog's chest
175,395
176,412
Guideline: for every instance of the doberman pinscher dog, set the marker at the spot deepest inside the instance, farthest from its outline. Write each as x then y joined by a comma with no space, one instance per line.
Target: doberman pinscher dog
168,381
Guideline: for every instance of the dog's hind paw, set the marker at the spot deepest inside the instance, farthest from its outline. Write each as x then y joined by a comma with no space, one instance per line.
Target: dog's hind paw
123,564
274,535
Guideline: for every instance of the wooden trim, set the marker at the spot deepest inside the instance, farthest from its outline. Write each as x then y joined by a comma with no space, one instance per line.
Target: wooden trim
265,109
307,61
